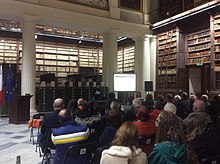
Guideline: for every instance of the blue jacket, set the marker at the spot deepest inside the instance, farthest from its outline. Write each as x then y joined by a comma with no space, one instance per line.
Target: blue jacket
68,135
168,153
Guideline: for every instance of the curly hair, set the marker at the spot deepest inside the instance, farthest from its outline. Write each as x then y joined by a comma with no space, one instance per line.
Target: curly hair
170,128
196,123
126,135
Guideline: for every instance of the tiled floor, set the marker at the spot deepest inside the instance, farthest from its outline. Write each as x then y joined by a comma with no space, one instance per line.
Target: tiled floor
14,141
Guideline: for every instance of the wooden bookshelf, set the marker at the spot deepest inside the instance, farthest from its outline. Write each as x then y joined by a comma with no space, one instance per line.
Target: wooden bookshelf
8,50
216,63
166,59
125,57
198,47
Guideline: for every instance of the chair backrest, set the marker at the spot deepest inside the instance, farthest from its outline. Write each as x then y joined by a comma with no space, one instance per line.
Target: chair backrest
38,115
146,140
96,130
80,149
211,160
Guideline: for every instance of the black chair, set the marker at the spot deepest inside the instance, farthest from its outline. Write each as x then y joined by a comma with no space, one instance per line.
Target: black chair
84,149
96,130
48,149
211,160
146,140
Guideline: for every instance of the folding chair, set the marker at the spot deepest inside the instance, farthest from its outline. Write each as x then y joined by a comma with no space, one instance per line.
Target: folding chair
35,123
84,149
48,149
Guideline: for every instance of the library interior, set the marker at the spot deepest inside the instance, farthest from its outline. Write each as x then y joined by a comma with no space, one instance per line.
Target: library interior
74,49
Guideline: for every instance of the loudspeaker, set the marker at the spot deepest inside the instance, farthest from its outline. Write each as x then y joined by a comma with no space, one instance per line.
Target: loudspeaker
148,85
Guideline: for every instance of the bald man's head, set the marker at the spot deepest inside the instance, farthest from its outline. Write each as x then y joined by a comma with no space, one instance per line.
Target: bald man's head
65,115
58,104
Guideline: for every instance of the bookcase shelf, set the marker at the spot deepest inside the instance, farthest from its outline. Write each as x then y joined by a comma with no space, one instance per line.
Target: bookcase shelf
167,72
198,47
216,29
125,58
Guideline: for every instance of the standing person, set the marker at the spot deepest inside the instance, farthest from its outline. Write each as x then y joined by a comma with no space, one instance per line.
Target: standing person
146,128
124,149
171,144
50,121
69,134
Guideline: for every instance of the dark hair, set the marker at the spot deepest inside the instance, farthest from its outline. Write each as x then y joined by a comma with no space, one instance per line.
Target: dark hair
149,97
184,95
130,99
169,97
65,115
111,95
126,135
160,98
114,118
196,124
142,113
72,104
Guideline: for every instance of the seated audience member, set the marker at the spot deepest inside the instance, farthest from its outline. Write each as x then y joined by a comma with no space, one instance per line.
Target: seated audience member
117,107
192,99
50,121
69,134
82,110
183,106
213,110
130,116
202,135
169,105
129,104
124,147
72,106
146,127
205,98
111,97
114,119
199,106
171,143
158,107
149,102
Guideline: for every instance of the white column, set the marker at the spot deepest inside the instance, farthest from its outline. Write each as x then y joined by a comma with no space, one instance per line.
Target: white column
146,11
142,62
109,58
153,46
138,62
114,11
28,71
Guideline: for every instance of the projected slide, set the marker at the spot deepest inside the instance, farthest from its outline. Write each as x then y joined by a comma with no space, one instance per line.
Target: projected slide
124,82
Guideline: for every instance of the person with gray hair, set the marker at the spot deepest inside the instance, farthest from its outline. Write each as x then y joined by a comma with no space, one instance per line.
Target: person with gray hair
130,116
